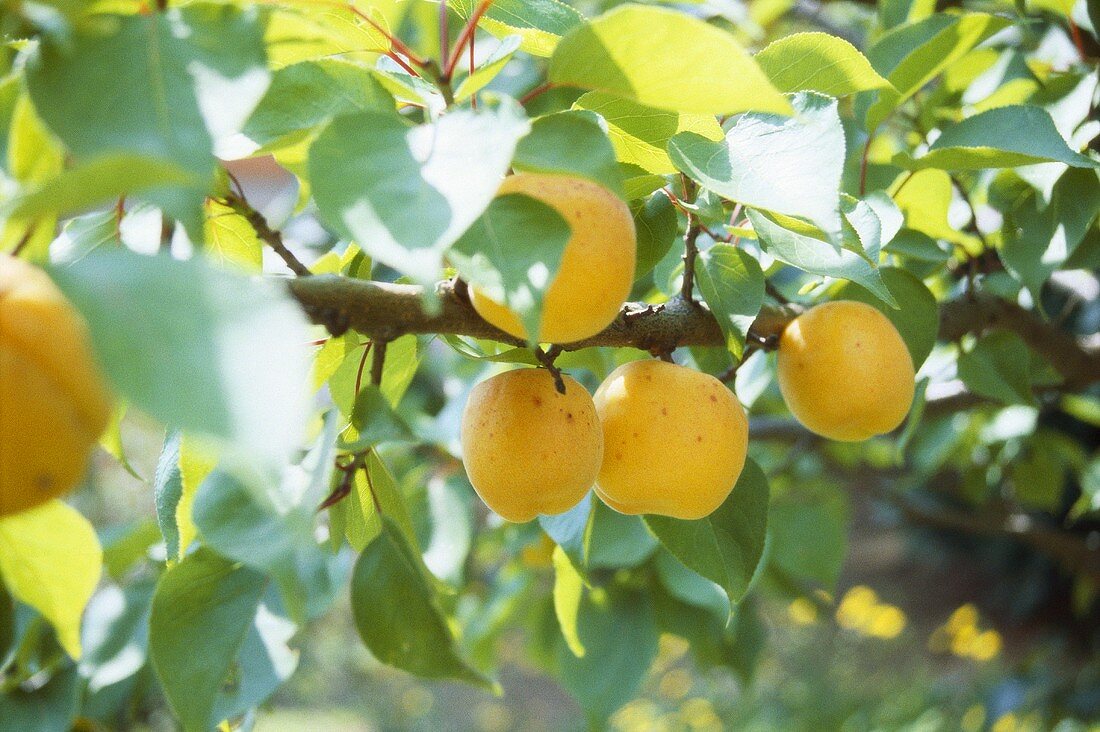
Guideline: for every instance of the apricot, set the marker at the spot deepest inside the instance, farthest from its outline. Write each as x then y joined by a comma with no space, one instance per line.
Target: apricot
674,440
53,400
845,371
597,266
529,450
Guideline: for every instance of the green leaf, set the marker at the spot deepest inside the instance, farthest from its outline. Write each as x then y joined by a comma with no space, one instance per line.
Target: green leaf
640,134
406,193
489,68
656,225
98,180
540,23
568,594
512,253
273,533
307,94
1005,137
665,59
910,56
570,529
818,62
1038,240
998,367
356,516
917,316
91,231
817,257
613,540
808,536
619,634
732,284
373,421
726,546
51,560
398,615
691,587
47,709
190,77
217,648
787,148
202,350
571,143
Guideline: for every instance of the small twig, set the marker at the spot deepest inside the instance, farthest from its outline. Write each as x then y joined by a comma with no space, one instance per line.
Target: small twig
272,237
863,164
775,293
473,97
728,375
546,358
167,228
378,362
444,33
537,91
348,468
362,365
691,236
25,239
464,37
396,43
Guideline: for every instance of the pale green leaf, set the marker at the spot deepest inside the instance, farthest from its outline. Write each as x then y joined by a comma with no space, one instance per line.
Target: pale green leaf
818,62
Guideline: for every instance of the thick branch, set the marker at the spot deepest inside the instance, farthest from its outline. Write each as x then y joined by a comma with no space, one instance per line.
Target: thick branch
386,311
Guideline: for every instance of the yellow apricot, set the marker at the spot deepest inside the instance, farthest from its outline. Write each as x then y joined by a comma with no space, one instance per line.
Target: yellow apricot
674,440
597,265
528,449
53,401
845,371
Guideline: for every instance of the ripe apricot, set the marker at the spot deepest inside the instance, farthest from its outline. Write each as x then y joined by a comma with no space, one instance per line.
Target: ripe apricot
528,449
53,401
845,371
674,439
597,265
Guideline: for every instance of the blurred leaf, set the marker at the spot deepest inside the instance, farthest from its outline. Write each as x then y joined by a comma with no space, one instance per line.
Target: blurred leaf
998,367
124,545
640,134
273,533
818,257
568,594
356,518
51,560
787,148
910,56
571,143
818,62
230,241
512,253
89,232
367,168
613,540
208,60
116,638
809,534
691,587
998,138
398,616
452,527
656,225
665,59
307,94
216,647
373,421
111,441
732,284
917,316
540,23
617,629
196,347
50,708
726,546
570,529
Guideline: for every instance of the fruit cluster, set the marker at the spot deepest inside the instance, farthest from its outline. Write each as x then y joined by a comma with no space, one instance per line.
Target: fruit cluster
657,438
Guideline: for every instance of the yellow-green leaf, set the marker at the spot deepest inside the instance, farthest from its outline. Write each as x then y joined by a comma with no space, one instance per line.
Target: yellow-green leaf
818,62
665,59
51,560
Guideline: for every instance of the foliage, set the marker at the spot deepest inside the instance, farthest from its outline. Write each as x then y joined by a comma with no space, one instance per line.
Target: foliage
939,166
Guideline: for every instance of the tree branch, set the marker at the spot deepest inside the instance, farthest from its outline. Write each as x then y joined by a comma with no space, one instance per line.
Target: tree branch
386,311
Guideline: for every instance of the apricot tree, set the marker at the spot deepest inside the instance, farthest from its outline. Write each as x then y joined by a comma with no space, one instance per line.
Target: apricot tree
309,241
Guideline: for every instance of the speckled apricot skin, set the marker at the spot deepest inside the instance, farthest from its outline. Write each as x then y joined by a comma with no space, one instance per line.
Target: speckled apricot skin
597,266
675,440
845,372
529,450
53,401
